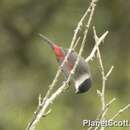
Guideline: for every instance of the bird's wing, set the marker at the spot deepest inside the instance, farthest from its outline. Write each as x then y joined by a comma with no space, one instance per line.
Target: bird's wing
82,67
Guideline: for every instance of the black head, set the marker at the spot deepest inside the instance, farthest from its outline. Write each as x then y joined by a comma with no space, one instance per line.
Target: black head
83,87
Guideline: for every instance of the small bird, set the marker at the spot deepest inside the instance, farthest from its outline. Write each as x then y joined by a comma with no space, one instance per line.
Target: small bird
82,77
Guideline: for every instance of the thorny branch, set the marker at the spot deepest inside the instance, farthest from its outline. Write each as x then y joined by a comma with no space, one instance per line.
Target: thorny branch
104,76
101,93
73,44
104,108
48,99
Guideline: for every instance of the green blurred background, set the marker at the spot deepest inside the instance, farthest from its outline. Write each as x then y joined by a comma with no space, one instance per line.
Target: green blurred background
27,66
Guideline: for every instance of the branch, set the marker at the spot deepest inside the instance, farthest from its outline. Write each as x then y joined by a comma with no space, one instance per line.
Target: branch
48,99
104,77
101,93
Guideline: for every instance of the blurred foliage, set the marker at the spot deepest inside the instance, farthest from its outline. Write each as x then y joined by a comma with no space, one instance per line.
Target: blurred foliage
27,66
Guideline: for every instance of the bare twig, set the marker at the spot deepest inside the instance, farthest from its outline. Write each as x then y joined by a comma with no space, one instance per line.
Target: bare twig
95,47
104,77
101,93
120,111
104,108
76,43
109,72
102,70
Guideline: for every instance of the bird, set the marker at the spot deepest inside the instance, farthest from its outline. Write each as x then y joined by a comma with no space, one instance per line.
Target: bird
82,77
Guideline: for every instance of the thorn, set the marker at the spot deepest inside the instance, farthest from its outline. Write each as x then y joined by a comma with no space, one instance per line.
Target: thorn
35,112
99,92
47,113
91,59
39,34
39,100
